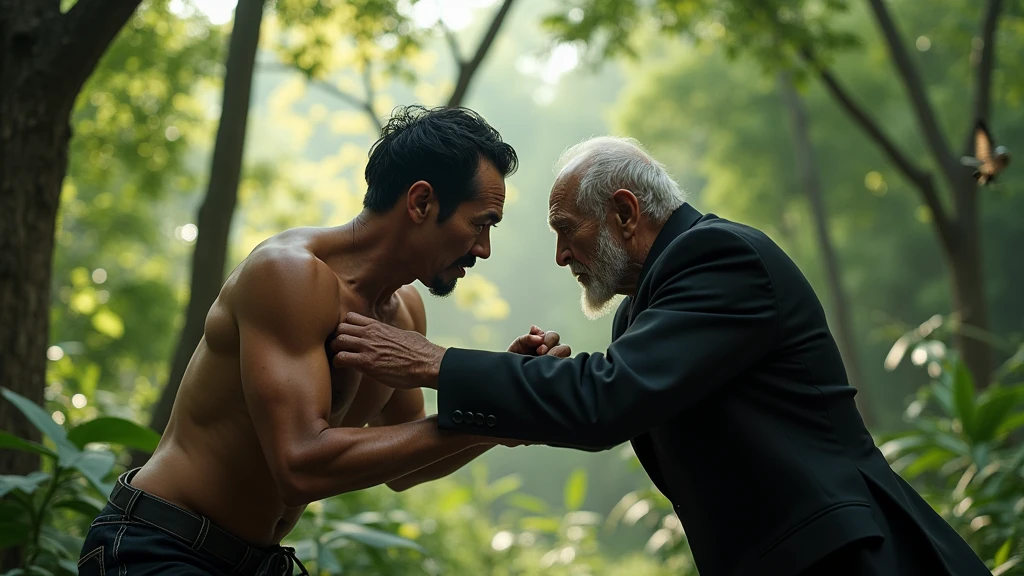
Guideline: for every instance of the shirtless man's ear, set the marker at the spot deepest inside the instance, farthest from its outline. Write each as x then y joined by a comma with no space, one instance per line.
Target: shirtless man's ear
420,203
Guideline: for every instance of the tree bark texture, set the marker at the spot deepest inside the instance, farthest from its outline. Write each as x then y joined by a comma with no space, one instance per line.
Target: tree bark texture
45,57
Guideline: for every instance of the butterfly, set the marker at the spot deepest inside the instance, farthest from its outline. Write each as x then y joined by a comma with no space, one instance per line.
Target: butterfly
987,163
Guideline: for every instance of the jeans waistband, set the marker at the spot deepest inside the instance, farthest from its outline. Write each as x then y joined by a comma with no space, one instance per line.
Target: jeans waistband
199,532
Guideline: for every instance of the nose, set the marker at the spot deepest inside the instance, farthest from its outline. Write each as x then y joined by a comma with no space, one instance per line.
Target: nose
482,249
563,256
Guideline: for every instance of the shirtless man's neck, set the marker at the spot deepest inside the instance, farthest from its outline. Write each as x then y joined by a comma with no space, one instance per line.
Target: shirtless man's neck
368,257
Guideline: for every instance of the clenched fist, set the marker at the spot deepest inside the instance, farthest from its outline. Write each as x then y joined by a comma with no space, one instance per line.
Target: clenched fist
539,343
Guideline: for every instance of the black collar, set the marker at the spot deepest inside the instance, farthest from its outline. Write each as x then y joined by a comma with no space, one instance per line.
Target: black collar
680,221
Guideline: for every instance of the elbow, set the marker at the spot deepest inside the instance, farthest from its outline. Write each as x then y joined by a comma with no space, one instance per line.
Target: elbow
399,486
294,488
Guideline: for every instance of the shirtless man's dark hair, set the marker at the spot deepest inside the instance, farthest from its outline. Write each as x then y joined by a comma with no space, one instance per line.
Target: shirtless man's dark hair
263,424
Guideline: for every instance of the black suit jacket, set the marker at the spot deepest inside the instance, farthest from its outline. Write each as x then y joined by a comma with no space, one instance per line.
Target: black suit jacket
724,376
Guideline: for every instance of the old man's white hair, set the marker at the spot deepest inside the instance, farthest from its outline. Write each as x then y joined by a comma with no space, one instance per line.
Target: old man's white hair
610,163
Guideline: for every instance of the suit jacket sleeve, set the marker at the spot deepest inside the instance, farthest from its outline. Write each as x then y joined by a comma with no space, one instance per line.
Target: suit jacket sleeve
712,314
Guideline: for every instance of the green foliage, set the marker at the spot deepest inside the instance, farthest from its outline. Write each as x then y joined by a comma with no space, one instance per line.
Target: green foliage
963,453
779,33
46,512
139,126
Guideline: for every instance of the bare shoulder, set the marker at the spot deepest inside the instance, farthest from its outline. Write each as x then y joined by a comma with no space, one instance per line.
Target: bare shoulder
412,303
288,291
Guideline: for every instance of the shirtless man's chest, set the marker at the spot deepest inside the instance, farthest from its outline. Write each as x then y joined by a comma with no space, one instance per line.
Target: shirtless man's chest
355,399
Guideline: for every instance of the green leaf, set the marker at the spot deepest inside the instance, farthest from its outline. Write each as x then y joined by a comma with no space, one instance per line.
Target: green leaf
84,505
993,408
95,465
27,484
69,565
541,524
368,536
1011,424
963,399
115,431
503,486
327,561
44,423
576,489
1003,554
13,533
928,461
528,503
8,440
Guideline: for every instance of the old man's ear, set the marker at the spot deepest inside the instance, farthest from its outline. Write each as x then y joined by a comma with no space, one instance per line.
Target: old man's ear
626,210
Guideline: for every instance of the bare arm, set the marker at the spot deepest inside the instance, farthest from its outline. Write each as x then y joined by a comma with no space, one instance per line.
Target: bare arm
290,306
407,406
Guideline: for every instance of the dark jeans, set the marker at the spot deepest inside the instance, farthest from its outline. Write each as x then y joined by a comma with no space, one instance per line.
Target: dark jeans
141,534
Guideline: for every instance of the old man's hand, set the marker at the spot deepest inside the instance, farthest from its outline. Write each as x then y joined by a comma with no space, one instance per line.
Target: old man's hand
539,343
392,356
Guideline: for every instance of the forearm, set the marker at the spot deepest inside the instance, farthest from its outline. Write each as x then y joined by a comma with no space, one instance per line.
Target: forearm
348,459
439,469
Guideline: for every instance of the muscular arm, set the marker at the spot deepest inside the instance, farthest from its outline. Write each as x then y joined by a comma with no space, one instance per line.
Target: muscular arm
407,406
288,307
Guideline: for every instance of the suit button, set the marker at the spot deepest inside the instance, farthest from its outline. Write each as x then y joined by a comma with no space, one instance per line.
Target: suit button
479,419
457,416
492,420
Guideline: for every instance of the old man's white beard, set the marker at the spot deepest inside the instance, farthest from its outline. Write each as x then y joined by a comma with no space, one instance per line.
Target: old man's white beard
604,276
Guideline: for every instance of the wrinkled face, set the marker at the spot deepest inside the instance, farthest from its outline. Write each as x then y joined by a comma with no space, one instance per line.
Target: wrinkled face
455,244
585,245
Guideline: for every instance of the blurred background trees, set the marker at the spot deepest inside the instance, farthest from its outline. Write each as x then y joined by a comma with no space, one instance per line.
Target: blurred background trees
753,111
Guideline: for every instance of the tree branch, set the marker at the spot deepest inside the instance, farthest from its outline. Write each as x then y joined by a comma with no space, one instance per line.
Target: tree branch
934,138
453,43
328,88
921,179
84,34
370,95
985,60
468,69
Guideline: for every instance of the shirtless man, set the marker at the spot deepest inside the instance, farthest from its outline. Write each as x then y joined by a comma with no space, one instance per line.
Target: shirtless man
263,424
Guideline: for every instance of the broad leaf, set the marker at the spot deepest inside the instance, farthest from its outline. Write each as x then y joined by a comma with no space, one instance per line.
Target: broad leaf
95,465
368,536
1003,554
44,423
27,484
13,533
576,489
368,517
528,503
1010,424
8,440
503,486
114,431
992,411
541,524
326,561
963,399
84,505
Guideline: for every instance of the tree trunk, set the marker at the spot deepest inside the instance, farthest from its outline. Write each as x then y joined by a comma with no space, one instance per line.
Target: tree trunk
33,157
967,275
215,215
45,57
809,178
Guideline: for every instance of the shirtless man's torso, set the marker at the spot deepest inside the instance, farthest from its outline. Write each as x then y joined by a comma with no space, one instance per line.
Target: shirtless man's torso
210,459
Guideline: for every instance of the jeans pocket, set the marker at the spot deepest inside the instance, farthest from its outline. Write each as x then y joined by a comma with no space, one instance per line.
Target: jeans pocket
92,563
